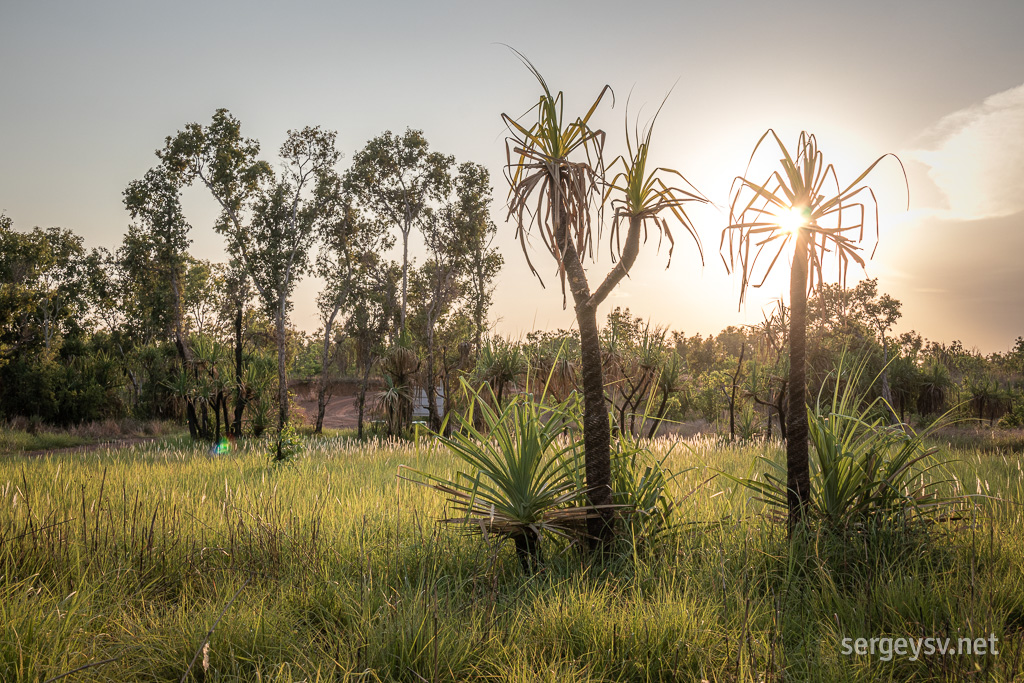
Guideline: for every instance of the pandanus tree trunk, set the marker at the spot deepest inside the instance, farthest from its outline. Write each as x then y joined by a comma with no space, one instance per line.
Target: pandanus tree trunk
596,431
798,473
528,549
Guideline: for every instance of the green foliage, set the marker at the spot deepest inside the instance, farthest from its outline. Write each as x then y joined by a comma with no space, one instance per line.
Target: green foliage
527,478
641,486
79,383
521,483
748,422
865,473
501,364
287,444
1014,418
710,398
395,178
257,388
399,366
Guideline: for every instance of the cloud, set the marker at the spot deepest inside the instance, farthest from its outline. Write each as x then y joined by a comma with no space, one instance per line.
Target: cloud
975,156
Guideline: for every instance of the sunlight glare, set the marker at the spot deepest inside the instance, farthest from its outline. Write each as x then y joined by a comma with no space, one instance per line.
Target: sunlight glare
791,219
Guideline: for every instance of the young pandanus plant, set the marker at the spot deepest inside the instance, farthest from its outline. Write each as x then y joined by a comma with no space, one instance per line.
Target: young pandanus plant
803,204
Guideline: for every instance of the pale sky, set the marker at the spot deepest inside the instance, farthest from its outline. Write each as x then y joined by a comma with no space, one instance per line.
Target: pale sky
89,90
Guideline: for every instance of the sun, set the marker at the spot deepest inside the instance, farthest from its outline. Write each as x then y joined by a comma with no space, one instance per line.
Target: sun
792,219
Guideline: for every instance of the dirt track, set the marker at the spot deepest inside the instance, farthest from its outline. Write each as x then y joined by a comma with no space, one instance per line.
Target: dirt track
343,410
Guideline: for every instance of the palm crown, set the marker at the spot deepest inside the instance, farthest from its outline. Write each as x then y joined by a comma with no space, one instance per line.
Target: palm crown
644,195
831,221
544,184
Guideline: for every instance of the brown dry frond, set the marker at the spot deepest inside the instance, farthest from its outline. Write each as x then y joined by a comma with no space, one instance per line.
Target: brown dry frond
834,215
545,187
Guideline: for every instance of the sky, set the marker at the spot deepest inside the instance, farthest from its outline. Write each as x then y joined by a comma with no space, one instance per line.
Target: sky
88,92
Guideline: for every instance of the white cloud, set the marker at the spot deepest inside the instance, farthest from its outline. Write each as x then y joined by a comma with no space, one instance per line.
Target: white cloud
975,156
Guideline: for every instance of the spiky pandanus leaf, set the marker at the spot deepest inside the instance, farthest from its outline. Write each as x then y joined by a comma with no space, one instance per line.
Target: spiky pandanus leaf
520,477
547,190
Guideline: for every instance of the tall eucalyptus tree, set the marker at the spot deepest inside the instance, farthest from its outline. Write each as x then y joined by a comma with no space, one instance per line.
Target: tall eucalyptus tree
397,178
269,221
349,243
157,243
473,192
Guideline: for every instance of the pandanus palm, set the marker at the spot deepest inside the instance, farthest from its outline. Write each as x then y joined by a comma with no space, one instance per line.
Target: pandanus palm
805,204
555,171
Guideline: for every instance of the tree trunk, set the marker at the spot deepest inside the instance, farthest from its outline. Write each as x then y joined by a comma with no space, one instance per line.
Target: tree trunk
181,343
478,308
780,409
886,391
239,397
528,549
321,407
204,426
660,415
216,414
798,473
321,395
362,395
405,272
432,416
224,410
596,432
282,377
732,394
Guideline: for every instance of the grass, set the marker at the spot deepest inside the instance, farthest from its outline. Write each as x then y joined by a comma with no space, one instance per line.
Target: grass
330,569
20,441
22,435
981,436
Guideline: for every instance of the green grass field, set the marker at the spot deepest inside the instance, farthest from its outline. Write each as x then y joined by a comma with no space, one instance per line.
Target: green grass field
116,564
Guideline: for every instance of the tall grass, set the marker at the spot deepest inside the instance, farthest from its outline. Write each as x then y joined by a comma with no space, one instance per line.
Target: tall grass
122,560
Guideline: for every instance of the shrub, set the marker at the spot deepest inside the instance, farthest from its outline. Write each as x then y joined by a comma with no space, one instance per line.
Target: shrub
521,483
527,476
1014,418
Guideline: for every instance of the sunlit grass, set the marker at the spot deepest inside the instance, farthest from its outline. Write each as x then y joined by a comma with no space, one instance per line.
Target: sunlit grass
342,573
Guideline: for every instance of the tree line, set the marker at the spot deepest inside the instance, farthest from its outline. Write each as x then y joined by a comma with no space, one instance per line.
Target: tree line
148,330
